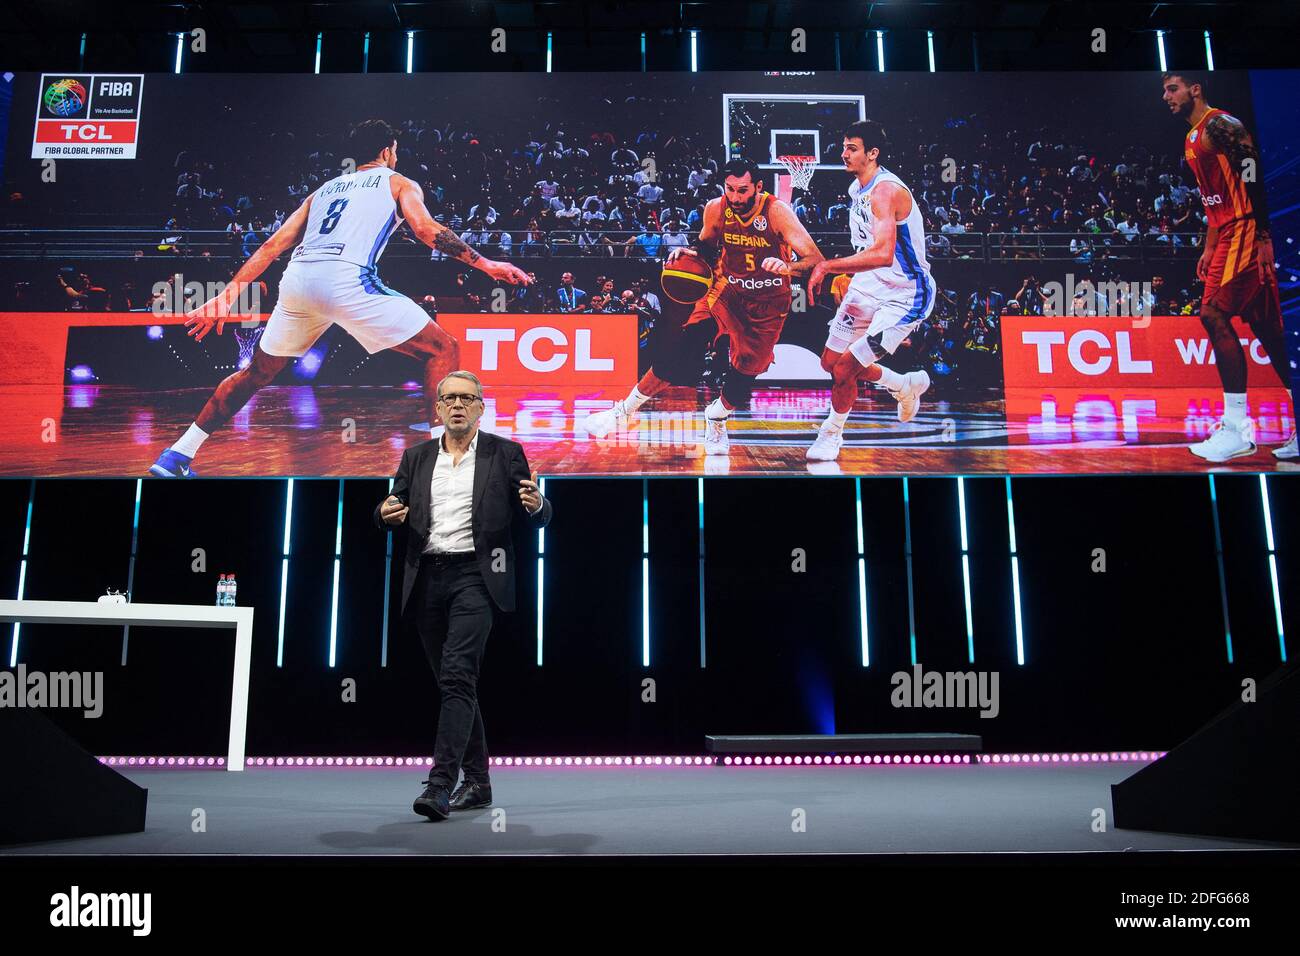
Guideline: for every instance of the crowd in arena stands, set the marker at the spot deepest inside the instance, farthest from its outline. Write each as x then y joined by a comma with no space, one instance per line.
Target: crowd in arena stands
613,185
602,296
610,182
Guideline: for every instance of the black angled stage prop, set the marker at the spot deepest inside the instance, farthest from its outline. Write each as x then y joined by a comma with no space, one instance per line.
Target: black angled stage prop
54,790
1238,776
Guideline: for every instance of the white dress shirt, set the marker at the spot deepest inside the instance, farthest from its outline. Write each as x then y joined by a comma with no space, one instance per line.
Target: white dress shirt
451,502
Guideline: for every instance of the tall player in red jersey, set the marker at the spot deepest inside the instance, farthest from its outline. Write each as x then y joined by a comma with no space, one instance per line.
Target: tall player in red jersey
750,238
1237,262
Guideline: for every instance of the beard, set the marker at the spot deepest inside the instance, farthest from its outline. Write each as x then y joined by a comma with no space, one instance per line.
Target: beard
742,210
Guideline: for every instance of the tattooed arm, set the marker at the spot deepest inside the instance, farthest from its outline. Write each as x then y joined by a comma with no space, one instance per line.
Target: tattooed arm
410,200
1231,138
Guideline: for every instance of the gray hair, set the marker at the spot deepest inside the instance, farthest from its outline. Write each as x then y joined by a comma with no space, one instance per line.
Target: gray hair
469,376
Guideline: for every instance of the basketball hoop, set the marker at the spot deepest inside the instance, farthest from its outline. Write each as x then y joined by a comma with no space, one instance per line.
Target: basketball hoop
800,168
247,337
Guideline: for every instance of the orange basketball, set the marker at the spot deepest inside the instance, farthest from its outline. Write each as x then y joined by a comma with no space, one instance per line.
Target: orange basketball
686,279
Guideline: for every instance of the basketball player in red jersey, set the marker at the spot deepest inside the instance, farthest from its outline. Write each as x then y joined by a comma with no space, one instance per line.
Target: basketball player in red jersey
1237,262
750,238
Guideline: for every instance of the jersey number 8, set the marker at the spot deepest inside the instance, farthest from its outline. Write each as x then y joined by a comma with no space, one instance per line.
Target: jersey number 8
332,216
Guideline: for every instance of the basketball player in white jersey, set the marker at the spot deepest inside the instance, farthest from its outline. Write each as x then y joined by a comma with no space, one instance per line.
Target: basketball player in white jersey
890,293
341,230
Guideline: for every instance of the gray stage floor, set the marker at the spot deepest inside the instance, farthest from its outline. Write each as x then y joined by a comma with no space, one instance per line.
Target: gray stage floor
698,810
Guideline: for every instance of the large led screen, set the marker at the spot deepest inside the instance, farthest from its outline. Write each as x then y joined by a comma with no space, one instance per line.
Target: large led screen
1026,297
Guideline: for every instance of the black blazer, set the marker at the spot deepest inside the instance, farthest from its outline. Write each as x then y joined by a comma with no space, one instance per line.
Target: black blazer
499,466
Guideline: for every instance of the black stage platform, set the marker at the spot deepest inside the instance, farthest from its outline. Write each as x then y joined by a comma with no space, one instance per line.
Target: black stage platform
639,811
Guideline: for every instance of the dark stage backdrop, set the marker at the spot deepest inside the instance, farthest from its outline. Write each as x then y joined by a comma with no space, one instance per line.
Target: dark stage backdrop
1135,656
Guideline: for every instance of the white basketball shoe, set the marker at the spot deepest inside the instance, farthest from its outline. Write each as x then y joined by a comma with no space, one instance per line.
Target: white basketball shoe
909,396
830,438
611,419
1227,441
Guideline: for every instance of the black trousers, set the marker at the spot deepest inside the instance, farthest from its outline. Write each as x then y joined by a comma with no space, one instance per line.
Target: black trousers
453,618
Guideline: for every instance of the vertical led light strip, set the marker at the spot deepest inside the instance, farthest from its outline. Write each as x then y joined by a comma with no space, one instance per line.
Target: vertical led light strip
862,577
929,43
180,46
695,49
388,583
22,571
965,569
880,51
81,54
645,572
284,572
318,39
365,53
700,492
643,51
334,599
1160,48
550,49
410,51
541,568
907,554
130,569
1218,556
837,51
1015,575
1209,65
1272,566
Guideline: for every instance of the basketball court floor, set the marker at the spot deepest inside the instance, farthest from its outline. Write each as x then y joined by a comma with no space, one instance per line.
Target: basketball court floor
303,430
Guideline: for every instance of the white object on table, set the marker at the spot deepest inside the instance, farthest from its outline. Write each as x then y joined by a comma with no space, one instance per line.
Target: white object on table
160,615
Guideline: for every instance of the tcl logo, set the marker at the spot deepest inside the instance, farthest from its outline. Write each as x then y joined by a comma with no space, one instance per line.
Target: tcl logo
86,132
1168,351
776,281
527,351
1088,351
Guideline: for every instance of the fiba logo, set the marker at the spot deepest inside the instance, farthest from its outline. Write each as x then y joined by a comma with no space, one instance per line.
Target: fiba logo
760,223
64,97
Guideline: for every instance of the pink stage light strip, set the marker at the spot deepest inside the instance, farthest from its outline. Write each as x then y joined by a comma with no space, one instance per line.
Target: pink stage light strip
765,760
1130,756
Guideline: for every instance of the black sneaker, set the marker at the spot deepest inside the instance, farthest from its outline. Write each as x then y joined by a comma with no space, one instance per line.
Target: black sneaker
433,803
472,796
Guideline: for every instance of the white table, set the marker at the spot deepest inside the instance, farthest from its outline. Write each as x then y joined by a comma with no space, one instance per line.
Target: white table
160,615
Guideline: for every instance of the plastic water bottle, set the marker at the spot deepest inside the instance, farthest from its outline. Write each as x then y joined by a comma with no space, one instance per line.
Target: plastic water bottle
230,590
221,591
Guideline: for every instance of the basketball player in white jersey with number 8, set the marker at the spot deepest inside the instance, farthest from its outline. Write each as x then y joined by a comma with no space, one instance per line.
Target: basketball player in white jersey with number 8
891,291
332,278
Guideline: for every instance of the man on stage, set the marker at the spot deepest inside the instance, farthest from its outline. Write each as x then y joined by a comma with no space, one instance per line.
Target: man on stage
460,491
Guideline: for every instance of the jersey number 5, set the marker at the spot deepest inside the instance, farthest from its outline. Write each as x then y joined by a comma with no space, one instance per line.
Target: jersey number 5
749,262
332,216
